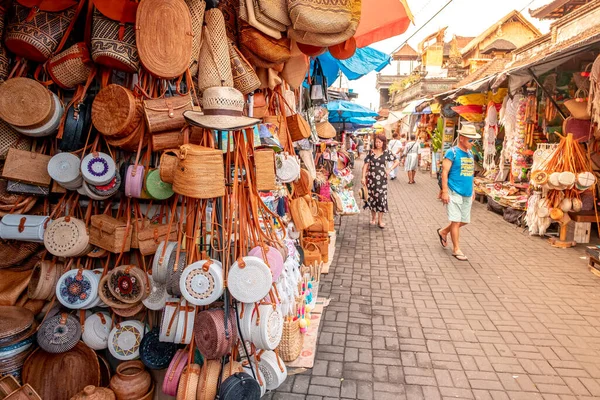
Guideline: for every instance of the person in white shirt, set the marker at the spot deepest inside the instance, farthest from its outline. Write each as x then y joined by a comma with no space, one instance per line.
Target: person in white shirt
395,147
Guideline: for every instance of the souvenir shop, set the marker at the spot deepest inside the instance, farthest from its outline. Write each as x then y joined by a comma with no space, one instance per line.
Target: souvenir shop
168,194
540,142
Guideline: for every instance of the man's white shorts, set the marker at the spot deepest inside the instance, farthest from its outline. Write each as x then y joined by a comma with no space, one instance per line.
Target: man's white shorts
459,208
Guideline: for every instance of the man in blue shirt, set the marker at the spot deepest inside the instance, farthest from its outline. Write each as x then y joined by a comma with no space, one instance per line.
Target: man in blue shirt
458,170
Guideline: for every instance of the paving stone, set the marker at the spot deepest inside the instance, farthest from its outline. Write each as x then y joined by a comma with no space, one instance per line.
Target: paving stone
407,321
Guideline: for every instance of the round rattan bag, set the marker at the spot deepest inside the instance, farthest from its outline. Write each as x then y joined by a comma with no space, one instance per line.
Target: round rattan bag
59,333
154,353
211,337
209,380
128,284
249,280
202,283
66,237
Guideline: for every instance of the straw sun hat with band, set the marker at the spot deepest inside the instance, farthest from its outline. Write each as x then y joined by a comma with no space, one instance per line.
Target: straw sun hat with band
223,108
469,131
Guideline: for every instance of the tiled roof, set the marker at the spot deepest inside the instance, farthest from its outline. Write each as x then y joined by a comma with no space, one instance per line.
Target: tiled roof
494,66
499,45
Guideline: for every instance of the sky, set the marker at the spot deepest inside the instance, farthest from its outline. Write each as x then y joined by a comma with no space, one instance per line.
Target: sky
462,17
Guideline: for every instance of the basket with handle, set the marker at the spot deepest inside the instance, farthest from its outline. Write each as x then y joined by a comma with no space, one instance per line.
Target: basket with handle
292,340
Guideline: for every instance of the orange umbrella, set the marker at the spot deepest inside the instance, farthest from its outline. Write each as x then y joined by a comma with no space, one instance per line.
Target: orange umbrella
382,19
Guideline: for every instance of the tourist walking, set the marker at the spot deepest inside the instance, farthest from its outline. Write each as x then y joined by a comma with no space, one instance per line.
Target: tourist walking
374,177
361,146
395,147
458,170
411,155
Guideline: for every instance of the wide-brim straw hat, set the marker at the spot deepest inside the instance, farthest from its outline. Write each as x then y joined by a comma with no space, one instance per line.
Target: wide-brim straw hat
223,110
325,130
469,131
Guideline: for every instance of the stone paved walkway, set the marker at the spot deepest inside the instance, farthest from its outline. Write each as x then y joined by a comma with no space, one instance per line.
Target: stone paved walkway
520,320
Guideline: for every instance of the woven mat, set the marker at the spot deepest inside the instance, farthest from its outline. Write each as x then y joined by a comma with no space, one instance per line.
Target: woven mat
307,356
325,267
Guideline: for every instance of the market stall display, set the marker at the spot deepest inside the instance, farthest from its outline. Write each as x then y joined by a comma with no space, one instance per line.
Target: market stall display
168,193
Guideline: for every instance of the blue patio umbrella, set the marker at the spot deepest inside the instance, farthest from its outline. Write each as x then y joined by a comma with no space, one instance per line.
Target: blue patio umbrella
362,121
344,110
365,60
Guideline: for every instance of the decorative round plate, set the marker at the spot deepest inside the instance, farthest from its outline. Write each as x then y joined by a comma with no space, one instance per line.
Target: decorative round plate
201,287
251,283
59,333
125,339
157,298
154,353
77,289
96,330
98,168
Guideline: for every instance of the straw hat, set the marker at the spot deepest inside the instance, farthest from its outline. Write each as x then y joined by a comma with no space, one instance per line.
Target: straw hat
469,131
223,110
325,130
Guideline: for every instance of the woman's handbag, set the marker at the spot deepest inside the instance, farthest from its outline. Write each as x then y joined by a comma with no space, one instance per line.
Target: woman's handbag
113,35
37,29
26,166
298,127
318,88
115,111
26,228
244,76
214,63
264,163
71,67
150,236
267,48
302,215
67,237
201,174
110,233
166,114
327,16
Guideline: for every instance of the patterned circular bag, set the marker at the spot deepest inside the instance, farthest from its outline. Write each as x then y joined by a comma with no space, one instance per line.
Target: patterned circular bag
128,284
154,353
59,334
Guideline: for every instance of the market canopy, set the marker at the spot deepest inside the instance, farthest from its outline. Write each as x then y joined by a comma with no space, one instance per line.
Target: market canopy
365,60
382,19
411,108
362,121
347,109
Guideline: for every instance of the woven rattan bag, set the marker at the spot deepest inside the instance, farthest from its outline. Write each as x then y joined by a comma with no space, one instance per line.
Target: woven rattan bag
166,114
244,76
113,35
200,173
263,46
197,8
264,162
38,29
292,340
298,127
114,112
169,161
324,16
110,233
4,63
9,138
301,213
214,64
188,383
164,35
273,13
71,67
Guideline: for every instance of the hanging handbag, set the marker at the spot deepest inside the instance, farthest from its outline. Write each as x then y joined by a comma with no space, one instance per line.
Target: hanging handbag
327,16
39,28
4,63
71,67
150,236
26,166
298,127
163,31
244,76
115,111
201,174
166,114
113,35
264,163
318,88
259,105
213,62
26,228
276,51
110,233
240,386
248,17
301,213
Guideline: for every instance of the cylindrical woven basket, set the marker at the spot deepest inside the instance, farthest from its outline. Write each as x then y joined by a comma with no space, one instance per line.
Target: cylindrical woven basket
43,280
188,383
197,8
71,67
200,173
264,162
114,111
213,62
209,333
301,213
292,341
244,77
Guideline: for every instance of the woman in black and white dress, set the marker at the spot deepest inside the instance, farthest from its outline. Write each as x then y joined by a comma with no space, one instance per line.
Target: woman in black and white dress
375,177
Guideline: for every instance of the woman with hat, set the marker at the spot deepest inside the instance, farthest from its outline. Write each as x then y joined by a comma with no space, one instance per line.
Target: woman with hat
375,175
458,170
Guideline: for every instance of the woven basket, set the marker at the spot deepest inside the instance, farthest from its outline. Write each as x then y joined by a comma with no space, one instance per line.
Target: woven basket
296,67
26,103
213,62
304,185
209,380
292,341
326,16
264,162
229,8
209,333
43,280
244,77
298,127
4,63
200,174
168,165
197,8
36,35
9,138
188,383
109,48
265,47
71,67
114,111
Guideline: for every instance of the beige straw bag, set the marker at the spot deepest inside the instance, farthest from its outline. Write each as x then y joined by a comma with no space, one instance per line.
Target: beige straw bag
264,162
292,341
188,383
200,174
71,67
214,64
197,8
168,164
244,77
209,380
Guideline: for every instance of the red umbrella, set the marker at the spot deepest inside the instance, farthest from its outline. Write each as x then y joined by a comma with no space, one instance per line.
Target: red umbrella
382,19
